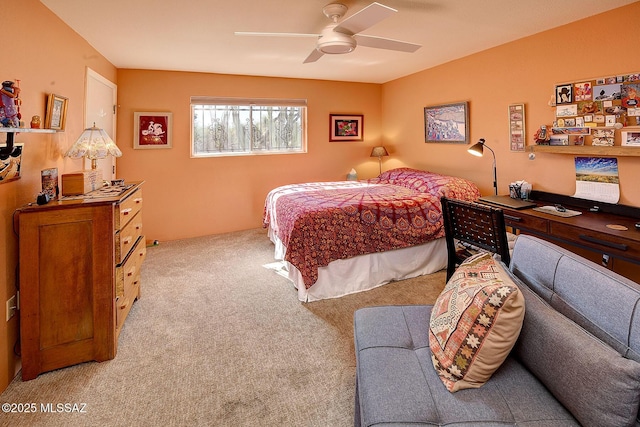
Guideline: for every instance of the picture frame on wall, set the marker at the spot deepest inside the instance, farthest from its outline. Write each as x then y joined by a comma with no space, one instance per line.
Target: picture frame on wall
564,94
346,127
447,123
630,138
56,113
517,127
10,163
152,130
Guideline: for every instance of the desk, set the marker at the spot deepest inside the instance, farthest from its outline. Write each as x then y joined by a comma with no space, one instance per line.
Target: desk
586,234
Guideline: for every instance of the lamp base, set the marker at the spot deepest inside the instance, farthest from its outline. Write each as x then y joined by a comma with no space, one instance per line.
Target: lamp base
82,182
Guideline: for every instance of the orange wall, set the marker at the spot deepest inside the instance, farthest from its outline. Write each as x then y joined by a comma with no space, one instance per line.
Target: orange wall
47,57
524,71
186,197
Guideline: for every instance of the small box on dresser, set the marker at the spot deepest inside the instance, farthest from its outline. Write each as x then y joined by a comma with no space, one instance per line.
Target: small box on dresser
82,182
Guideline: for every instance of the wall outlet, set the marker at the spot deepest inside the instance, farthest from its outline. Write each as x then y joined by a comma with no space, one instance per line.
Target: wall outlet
11,307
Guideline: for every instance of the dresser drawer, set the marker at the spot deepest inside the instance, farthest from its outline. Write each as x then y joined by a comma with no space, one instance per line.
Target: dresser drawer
124,303
128,274
127,237
602,242
523,221
128,209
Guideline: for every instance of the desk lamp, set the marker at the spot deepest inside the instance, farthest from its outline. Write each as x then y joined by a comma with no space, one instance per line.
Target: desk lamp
379,152
477,150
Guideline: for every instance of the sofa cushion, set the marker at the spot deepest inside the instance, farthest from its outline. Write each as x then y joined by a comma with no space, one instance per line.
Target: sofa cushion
474,323
595,383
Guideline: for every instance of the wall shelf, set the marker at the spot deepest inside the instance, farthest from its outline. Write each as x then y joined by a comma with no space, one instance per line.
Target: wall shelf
587,150
11,132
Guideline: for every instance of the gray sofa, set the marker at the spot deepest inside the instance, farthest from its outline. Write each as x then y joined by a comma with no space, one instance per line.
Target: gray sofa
576,361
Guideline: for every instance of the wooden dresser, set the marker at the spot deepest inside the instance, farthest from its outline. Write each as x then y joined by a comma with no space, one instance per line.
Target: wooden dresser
80,262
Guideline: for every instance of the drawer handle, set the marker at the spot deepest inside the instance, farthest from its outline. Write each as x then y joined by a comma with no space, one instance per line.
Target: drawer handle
138,200
138,226
131,271
619,246
127,240
124,304
512,218
126,211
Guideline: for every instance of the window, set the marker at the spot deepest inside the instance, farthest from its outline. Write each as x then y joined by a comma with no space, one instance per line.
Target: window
235,126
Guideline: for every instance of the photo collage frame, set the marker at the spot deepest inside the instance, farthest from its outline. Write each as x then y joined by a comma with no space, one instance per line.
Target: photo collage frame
595,109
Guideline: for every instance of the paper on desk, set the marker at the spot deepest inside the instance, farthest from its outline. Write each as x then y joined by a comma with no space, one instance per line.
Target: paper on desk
597,179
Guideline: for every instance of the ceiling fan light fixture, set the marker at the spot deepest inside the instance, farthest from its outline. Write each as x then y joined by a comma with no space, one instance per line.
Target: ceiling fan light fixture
334,42
337,47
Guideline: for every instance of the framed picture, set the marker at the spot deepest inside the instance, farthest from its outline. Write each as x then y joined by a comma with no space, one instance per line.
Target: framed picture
346,127
516,127
630,138
56,114
152,130
564,94
10,162
447,123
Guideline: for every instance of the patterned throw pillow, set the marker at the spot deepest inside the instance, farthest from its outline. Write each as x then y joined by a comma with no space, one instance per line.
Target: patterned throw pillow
475,323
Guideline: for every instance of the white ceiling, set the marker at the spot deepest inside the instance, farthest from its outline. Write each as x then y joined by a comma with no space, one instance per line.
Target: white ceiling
198,35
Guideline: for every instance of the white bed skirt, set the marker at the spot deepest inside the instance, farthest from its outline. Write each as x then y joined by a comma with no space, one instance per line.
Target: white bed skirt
364,272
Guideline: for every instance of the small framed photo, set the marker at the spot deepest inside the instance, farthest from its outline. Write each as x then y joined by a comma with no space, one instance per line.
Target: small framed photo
630,138
56,114
570,110
152,130
564,94
10,162
346,127
447,123
583,91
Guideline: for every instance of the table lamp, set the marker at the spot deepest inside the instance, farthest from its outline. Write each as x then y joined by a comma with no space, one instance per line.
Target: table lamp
94,143
379,152
477,149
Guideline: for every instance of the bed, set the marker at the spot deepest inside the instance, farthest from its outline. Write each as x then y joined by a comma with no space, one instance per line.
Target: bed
338,238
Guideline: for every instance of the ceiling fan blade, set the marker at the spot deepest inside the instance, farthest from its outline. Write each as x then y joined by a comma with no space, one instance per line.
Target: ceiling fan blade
383,43
313,56
365,18
252,33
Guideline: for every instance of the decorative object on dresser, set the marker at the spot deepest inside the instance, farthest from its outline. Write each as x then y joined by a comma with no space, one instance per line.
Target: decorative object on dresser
94,144
379,152
477,150
80,262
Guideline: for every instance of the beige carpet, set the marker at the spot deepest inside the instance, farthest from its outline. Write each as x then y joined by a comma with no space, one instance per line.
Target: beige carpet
218,340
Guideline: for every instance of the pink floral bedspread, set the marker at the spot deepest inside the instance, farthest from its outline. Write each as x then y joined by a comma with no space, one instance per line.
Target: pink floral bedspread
325,221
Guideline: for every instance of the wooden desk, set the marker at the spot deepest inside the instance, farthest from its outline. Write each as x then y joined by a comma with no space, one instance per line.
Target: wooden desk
586,234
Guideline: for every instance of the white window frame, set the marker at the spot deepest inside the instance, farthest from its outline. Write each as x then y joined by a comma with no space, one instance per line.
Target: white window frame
250,105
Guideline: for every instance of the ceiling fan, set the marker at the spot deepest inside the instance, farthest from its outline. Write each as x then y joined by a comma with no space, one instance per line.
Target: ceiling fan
343,37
